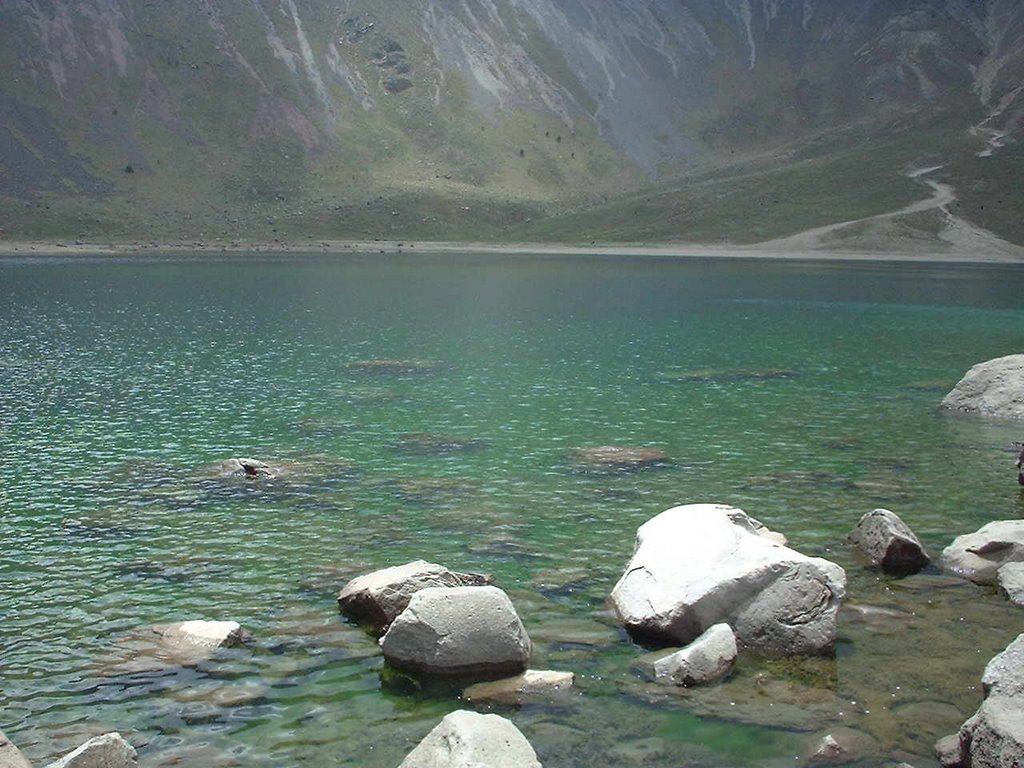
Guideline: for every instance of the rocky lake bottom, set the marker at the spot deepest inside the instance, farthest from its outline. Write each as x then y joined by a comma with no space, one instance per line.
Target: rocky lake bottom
440,408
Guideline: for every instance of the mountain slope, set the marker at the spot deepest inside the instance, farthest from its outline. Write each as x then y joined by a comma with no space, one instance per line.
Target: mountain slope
498,118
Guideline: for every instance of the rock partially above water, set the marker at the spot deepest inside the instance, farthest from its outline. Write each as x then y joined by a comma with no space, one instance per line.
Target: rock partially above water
10,755
243,467
107,751
889,543
465,739
978,556
698,565
458,631
1011,582
606,459
994,388
994,736
203,634
708,658
379,597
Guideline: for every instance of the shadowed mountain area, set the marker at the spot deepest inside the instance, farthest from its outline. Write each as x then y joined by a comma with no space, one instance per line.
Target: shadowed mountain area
863,124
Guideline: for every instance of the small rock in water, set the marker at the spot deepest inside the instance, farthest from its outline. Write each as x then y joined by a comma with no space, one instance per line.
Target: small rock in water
204,634
841,746
888,543
708,658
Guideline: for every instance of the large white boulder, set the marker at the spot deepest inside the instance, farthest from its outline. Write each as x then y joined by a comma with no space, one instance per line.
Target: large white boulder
107,751
467,739
380,596
993,388
994,736
702,564
458,631
978,556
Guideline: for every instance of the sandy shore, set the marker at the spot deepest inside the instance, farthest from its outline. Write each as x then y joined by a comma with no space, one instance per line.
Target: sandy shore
1014,255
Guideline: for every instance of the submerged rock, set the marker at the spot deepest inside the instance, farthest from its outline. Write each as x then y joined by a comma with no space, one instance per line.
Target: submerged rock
605,459
379,597
432,491
841,746
395,367
884,539
993,388
426,443
458,631
727,376
699,565
161,647
978,556
107,751
465,739
531,685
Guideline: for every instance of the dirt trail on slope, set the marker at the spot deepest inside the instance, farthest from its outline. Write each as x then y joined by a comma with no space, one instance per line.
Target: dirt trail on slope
895,232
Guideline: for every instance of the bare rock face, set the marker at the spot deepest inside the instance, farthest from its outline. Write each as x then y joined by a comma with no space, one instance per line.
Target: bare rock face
994,388
467,739
107,751
10,755
708,658
379,597
978,556
458,631
889,543
699,565
994,736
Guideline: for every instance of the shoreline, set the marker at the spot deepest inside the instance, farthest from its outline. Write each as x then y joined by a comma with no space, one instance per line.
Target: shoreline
765,251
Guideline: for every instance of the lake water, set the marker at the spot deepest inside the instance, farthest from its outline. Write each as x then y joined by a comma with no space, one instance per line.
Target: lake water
804,393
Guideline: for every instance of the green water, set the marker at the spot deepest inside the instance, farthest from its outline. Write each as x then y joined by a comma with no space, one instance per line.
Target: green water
121,381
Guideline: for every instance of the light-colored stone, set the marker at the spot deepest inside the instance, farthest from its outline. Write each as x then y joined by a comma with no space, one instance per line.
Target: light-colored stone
1011,582
978,556
456,631
531,685
708,658
107,751
701,564
466,739
840,746
994,388
10,755
204,634
889,543
380,596
994,736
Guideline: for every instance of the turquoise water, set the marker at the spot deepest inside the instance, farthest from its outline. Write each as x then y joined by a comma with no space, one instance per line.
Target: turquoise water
803,393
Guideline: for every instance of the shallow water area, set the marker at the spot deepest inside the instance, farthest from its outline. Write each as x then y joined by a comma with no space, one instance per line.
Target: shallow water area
429,407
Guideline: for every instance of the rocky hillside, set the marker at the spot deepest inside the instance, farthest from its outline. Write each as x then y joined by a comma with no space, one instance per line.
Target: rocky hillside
496,118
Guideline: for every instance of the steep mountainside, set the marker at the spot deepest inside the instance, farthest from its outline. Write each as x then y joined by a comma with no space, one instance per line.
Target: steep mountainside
492,118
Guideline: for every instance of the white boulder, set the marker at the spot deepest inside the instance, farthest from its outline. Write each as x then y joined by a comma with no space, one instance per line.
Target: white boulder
978,556
380,596
993,388
465,739
107,751
531,685
708,658
458,631
699,565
